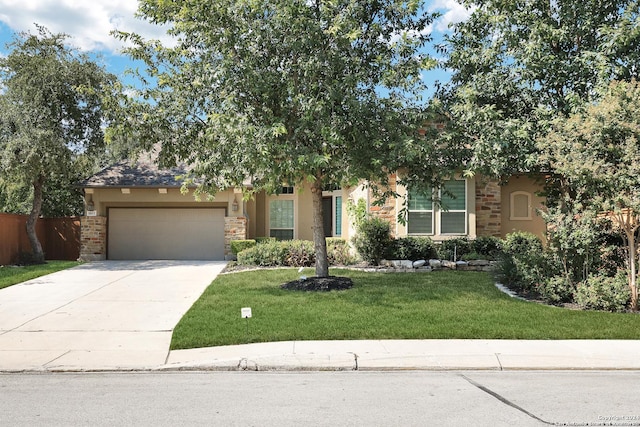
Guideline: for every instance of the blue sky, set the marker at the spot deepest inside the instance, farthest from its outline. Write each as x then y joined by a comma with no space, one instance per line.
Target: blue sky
89,23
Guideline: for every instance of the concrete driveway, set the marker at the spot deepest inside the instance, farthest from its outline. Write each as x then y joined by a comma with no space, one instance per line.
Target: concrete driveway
99,316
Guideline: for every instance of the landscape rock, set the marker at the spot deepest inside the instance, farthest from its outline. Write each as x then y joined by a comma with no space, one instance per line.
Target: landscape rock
435,263
479,262
402,263
419,263
449,264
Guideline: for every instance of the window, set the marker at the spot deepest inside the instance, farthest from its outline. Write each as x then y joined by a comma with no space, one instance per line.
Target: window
450,215
420,218
520,206
338,216
286,190
281,219
453,213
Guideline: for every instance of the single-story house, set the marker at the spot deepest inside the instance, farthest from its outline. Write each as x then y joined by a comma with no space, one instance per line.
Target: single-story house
137,211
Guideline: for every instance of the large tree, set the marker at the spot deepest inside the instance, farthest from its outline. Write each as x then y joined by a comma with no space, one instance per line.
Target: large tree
286,92
597,151
518,64
50,116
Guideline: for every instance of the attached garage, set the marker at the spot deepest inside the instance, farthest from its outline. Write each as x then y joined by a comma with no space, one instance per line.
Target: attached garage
165,233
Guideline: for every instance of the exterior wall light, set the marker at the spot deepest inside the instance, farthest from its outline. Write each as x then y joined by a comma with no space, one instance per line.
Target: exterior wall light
125,191
234,205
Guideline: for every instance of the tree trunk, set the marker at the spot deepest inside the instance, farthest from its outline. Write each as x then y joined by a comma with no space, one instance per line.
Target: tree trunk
633,284
633,287
319,241
36,247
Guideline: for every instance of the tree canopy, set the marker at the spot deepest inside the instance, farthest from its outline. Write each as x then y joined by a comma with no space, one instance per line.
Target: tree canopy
318,92
517,65
50,119
597,152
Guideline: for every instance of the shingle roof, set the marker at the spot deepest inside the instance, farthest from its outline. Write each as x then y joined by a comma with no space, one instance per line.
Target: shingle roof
143,173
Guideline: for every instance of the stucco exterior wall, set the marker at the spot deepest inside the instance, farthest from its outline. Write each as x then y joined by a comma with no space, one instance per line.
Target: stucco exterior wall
94,229
104,198
522,184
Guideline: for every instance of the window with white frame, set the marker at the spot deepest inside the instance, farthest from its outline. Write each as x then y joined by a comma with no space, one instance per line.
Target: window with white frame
420,214
453,209
449,217
281,219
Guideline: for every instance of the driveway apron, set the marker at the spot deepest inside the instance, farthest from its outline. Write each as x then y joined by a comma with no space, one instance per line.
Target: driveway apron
99,316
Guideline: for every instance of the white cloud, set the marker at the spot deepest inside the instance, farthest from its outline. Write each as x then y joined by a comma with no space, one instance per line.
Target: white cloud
452,13
88,22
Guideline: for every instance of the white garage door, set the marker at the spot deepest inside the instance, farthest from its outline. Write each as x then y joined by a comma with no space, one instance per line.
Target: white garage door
181,233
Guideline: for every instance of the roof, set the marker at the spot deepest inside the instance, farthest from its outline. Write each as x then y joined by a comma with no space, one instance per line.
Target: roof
143,173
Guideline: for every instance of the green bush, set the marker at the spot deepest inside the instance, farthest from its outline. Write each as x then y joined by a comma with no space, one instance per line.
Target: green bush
557,290
522,243
412,248
454,249
523,264
267,254
265,239
299,253
600,292
487,247
338,252
373,240
293,253
238,246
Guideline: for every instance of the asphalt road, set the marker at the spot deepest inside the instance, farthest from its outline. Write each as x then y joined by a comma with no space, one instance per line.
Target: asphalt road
473,398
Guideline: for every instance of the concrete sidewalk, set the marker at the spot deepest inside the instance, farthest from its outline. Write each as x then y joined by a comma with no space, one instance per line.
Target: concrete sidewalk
413,355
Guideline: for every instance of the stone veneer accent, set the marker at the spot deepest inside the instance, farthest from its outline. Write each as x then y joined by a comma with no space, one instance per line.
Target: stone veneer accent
235,228
93,238
488,209
387,211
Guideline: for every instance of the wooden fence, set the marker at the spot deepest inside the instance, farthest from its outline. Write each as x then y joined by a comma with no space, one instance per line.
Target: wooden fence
59,237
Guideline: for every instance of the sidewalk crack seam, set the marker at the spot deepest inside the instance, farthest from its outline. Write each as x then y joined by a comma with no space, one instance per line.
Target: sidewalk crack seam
56,358
498,359
505,400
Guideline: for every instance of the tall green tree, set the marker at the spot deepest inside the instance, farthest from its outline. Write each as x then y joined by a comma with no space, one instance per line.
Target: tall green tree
518,64
50,116
286,92
597,151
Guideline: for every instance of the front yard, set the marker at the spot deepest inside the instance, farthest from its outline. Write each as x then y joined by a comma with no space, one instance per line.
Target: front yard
441,305
11,275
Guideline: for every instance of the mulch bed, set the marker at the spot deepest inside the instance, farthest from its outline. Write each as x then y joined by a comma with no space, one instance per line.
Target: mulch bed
319,284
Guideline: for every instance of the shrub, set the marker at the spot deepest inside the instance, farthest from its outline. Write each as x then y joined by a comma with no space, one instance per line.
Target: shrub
26,258
265,239
557,290
506,271
488,247
299,253
454,249
267,254
523,264
293,253
600,292
338,251
412,248
238,246
373,240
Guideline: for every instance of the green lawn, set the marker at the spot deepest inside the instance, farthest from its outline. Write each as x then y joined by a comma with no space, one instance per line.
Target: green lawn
383,306
10,275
